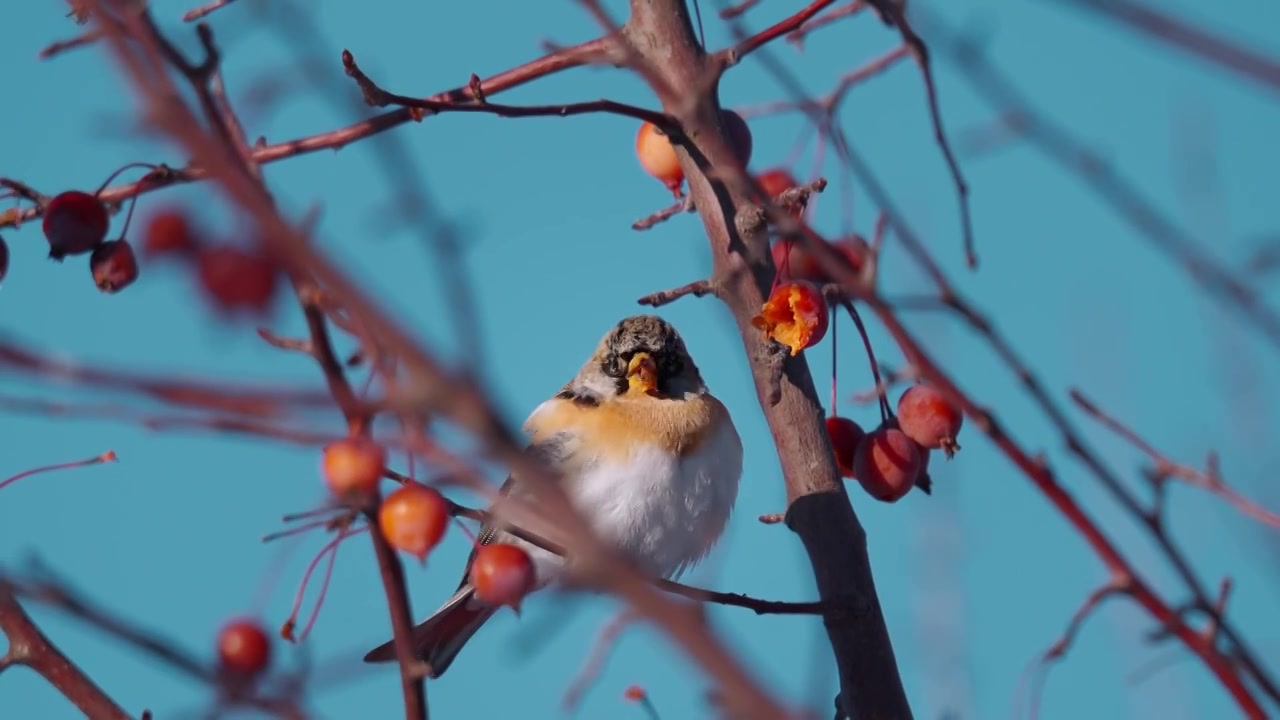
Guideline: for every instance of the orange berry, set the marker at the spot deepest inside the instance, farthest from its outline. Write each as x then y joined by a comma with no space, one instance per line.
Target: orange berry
658,157
353,467
795,315
502,574
413,519
635,693
243,647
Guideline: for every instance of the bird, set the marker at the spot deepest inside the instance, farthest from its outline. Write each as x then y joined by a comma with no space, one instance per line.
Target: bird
646,454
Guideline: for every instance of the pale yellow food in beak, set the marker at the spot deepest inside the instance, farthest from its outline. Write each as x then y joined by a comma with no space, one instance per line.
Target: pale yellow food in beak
642,374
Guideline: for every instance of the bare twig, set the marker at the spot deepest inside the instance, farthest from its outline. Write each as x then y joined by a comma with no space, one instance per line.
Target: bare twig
29,647
698,288
1209,479
1183,35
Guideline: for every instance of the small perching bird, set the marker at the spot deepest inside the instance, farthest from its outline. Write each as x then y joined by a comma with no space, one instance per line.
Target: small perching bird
647,454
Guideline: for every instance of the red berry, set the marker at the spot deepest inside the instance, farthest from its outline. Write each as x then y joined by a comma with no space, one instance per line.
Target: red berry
926,416
658,157
413,519
243,647
4,259
845,435
776,181
168,231
802,266
795,315
502,574
739,135
886,464
74,223
353,467
114,266
236,279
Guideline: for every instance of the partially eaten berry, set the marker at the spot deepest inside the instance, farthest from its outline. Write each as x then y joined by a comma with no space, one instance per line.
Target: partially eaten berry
795,315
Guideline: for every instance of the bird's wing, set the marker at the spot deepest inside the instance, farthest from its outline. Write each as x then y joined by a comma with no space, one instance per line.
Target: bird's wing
555,449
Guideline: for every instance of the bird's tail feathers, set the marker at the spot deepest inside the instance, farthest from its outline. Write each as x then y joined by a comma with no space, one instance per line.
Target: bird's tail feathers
438,639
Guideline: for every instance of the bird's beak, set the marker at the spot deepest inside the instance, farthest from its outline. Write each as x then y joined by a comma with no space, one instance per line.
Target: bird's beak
642,374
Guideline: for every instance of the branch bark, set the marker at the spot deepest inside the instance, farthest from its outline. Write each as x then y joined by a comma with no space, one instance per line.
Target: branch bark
819,509
28,646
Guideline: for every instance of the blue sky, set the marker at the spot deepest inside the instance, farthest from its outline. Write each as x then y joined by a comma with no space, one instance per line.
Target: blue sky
975,581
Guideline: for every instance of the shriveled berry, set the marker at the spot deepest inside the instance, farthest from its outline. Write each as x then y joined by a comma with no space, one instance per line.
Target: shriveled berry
168,232
113,265
244,647
235,279
413,519
353,467
74,223
926,416
502,574
845,435
886,464
4,259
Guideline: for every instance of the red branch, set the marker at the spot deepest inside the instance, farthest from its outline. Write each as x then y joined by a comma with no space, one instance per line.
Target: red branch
554,62
29,647
1165,468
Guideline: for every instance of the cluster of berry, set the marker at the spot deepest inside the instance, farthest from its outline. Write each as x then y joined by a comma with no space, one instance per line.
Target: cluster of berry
77,223
894,457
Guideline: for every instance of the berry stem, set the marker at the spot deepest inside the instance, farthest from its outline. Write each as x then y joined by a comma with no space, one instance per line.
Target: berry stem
331,550
105,457
783,267
128,217
881,391
269,537
466,531
114,175
834,361
306,514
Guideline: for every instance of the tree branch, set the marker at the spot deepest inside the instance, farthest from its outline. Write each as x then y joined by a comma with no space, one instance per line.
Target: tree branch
819,510
29,647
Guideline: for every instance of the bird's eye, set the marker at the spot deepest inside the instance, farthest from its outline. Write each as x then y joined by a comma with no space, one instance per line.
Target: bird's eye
615,365
672,365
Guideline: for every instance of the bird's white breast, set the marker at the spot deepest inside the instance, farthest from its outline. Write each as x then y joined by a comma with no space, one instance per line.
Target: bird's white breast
664,511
